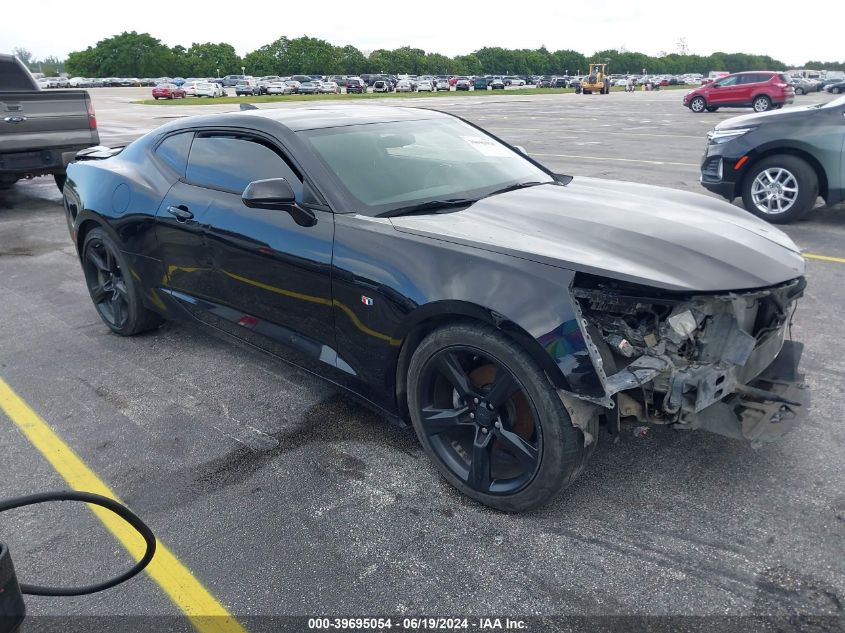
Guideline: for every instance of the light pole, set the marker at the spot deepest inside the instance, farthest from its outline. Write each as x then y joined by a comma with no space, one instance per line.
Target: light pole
218,70
243,70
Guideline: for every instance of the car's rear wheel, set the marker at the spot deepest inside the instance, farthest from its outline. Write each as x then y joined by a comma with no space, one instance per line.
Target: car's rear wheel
113,291
799,91
761,103
780,189
491,421
698,104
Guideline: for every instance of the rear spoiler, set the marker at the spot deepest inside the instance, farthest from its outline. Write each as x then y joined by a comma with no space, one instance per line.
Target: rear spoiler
99,152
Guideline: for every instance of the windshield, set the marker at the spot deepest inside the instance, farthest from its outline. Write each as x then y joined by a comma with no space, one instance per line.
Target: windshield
385,166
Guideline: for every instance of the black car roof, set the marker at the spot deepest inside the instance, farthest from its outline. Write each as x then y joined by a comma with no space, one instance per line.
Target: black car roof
297,119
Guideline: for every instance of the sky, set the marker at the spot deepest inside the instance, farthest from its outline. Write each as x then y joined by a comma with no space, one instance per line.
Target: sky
451,27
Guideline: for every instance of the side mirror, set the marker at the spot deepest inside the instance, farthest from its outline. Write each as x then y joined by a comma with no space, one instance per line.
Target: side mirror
715,85
276,193
273,193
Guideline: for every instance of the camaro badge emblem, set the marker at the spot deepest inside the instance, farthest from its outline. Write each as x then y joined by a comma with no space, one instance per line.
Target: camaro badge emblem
367,301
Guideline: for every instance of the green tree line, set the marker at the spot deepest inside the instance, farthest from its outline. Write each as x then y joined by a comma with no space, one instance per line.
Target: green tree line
50,65
133,54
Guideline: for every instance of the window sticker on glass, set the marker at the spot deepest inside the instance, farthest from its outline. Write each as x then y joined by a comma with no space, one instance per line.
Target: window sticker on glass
486,146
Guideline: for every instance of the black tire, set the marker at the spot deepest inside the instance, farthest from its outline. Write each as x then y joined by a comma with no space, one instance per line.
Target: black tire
60,181
761,103
793,169
712,108
116,296
799,91
835,91
527,414
698,105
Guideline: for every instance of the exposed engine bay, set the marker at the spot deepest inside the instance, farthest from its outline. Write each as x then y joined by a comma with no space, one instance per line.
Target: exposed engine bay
721,362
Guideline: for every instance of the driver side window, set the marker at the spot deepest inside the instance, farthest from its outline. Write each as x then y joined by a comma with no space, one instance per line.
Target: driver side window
230,162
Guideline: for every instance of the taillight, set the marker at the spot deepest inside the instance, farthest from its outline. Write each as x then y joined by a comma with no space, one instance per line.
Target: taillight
781,85
92,119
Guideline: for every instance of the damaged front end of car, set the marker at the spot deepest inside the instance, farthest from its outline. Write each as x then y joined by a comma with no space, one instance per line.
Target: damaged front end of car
721,362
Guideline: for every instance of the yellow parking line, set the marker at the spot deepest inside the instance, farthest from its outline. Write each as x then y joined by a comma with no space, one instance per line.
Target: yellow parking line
825,258
205,613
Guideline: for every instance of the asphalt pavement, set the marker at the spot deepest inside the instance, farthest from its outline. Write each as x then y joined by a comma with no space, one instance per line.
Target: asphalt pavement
284,496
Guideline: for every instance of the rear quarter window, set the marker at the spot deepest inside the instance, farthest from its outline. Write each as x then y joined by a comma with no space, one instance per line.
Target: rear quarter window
174,150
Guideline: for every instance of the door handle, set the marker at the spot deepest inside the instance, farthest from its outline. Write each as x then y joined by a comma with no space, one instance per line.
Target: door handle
181,212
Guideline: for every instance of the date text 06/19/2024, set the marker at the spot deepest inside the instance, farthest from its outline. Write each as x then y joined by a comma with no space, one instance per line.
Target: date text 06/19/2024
416,624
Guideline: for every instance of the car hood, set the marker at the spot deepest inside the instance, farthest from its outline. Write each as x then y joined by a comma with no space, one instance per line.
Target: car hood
745,120
648,235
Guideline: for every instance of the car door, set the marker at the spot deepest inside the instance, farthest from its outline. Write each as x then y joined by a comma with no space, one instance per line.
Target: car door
752,85
725,91
272,275
188,269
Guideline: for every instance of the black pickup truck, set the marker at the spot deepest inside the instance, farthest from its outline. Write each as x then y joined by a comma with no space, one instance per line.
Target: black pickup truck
40,132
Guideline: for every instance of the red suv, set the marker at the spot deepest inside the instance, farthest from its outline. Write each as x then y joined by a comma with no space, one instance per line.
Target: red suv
761,90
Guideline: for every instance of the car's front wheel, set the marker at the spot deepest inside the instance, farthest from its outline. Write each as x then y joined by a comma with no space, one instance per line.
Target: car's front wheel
113,290
491,421
698,104
762,103
780,189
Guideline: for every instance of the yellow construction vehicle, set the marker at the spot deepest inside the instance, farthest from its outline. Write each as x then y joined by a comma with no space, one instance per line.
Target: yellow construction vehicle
597,81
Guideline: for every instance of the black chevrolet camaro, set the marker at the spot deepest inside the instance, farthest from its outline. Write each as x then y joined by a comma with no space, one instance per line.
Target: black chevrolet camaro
444,277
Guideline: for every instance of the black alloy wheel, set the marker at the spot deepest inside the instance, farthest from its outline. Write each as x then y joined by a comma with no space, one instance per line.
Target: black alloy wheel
490,420
479,421
111,287
106,284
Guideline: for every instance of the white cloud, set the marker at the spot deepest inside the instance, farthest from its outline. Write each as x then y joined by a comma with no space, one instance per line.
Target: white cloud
56,27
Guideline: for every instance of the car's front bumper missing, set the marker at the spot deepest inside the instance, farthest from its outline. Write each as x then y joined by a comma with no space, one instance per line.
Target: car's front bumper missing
753,416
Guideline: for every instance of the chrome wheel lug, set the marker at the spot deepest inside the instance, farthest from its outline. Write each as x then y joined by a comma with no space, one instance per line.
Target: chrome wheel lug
471,416
475,400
